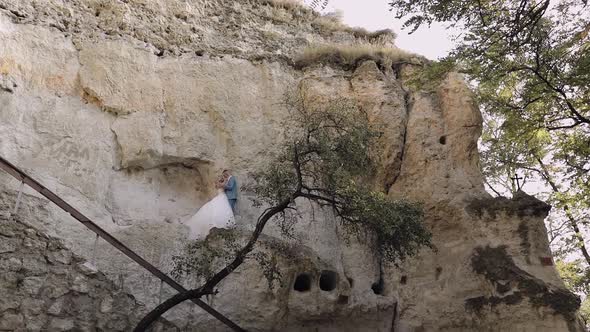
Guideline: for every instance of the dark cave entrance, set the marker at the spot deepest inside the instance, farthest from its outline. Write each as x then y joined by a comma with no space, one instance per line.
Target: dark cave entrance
302,283
328,280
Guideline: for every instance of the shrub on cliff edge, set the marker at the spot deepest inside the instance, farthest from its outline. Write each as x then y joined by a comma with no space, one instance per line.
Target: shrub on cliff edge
350,56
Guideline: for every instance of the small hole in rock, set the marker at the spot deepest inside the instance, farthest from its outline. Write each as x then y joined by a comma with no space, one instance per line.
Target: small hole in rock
328,280
342,299
403,280
302,283
442,140
378,287
200,53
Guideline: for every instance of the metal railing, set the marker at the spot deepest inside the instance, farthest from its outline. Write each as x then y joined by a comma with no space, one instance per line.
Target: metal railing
35,185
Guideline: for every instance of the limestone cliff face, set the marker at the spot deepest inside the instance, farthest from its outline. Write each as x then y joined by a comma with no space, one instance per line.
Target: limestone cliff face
128,109
45,287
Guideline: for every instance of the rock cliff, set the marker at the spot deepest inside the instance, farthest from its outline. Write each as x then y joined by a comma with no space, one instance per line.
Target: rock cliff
45,287
128,109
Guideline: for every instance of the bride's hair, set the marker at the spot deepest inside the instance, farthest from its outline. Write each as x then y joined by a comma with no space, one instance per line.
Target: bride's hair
219,181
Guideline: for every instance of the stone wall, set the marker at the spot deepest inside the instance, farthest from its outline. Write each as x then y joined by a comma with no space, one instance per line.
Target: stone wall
45,287
133,137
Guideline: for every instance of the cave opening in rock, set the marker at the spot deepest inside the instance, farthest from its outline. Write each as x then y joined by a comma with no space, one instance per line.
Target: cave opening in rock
378,287
328,280
442,140
438,272
343,299
302,283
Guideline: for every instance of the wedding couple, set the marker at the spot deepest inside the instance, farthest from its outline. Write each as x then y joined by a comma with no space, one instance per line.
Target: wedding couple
219,211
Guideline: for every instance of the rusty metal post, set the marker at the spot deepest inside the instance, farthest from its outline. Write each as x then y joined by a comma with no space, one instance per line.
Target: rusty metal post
20,192
160,294
93,260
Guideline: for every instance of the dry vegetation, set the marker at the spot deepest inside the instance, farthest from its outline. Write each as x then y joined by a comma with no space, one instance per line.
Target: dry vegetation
369,45
332,22
350,56
285,4
286,11
370,35
329,23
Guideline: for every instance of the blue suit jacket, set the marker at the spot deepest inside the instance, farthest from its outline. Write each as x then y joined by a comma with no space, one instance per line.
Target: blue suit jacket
231,188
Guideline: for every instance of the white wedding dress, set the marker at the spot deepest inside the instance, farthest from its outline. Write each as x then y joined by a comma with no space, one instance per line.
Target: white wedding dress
215,213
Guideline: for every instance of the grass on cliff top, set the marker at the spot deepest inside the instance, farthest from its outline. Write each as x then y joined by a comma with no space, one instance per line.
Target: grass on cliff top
370,35
332,22
351,56
286,4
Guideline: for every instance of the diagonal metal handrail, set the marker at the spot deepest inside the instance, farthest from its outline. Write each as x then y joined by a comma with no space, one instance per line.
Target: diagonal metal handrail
25,179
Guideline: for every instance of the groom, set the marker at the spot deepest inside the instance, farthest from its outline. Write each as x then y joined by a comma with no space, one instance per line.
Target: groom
231,189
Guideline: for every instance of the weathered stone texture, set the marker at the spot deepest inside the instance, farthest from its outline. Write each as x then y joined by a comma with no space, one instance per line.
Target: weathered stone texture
250,29
51,295
134,137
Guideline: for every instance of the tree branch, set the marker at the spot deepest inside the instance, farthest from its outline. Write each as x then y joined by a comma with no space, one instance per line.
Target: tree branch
208,287
568,213
562,93
490,186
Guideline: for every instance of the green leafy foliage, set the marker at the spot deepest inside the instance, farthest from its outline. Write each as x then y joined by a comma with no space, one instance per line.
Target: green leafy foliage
529,64
431,75
585,311
575,276
270,268
395,225
329,161
200,258
326,158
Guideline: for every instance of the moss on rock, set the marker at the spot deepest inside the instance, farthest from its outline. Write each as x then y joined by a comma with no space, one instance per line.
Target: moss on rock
496,265
521,205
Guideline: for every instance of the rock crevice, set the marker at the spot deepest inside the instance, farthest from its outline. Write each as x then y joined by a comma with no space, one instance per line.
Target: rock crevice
189,102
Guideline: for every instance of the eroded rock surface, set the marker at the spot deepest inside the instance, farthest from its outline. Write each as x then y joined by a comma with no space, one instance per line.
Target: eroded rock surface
45,287
128,110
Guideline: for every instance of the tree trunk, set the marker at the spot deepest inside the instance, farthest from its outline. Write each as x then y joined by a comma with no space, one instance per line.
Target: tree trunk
568,213
208,287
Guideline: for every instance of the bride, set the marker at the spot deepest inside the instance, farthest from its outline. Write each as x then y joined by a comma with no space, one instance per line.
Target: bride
215,213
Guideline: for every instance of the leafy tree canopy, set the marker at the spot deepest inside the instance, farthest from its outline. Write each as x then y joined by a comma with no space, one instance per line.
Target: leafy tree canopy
529,64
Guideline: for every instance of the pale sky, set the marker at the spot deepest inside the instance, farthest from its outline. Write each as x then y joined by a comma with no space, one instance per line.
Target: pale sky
433,42
375,15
